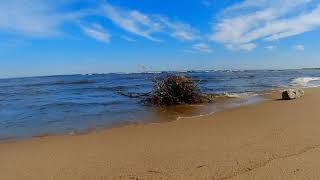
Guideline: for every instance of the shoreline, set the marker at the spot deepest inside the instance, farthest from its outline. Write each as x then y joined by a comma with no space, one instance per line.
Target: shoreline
250,100
77,104
269,140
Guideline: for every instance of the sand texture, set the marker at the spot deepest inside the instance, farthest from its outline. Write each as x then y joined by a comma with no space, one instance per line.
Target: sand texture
270,140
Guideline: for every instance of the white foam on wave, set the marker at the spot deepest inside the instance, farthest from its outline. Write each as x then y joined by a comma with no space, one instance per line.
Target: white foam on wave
306,82
247,98
240,95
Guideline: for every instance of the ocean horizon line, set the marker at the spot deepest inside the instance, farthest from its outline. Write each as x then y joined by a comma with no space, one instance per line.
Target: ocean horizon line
155,72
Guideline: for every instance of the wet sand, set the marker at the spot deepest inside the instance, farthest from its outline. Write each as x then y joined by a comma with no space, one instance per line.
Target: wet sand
270,140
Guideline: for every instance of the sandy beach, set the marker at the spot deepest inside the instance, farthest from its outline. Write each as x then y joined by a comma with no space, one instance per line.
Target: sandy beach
270,140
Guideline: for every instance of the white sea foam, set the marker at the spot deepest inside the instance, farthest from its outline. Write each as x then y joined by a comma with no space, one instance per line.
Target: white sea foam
306,82
242,99
240,95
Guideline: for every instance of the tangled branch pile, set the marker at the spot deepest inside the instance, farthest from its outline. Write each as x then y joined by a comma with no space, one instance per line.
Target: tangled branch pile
175,90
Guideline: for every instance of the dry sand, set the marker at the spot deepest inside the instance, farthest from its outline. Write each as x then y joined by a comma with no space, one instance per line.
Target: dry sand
270,140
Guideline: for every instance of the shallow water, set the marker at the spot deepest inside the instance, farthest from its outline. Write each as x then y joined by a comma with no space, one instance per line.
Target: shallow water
76,103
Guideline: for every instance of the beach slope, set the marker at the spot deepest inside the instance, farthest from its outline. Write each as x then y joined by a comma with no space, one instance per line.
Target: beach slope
270,140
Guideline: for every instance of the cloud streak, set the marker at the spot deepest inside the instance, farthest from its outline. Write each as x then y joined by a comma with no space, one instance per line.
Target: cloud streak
132,21
264,20
299,47
97,32
179,30
199,48
241,26
46,18
36,18
148,26
270,47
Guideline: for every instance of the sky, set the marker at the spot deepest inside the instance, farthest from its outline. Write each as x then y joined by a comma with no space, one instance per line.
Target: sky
45,37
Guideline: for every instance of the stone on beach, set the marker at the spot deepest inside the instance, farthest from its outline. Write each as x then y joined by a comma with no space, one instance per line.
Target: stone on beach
291,94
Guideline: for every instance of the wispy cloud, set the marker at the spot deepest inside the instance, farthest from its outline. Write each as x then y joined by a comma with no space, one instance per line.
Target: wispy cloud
96,31
37,18
299,47
132,21
202,47
147,25
245,23
129,39
179,30
270,47
245,46
47,18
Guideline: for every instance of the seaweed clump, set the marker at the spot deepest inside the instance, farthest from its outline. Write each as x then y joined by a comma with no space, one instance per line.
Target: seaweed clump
176,90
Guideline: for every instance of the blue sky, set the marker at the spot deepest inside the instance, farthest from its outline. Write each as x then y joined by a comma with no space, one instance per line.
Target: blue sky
45,37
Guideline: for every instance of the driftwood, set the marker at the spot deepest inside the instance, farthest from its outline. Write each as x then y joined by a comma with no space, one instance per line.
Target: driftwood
133,95
174,90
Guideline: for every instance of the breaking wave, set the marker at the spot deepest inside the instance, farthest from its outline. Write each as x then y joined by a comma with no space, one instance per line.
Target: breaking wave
306,82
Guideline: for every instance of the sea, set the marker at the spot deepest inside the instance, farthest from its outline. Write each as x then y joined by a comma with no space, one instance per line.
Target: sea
74,104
